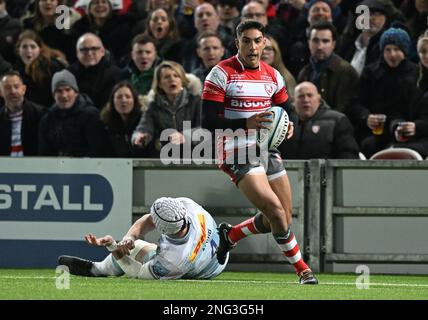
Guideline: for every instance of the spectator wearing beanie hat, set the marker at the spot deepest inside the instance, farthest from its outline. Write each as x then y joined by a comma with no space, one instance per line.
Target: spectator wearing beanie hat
397,37
386,87
64,78
410,125
72,126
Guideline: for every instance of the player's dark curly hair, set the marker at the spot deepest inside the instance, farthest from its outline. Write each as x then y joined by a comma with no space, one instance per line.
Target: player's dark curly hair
247,25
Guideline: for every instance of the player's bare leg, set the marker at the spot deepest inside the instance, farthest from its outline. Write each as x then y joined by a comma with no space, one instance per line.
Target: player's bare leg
256,188
288,244
273,198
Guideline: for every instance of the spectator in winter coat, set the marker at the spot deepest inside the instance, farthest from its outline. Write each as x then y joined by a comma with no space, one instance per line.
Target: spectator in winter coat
19,118
141,69
319,132
386,87
95,72
172,105
410,125
72,126
121,116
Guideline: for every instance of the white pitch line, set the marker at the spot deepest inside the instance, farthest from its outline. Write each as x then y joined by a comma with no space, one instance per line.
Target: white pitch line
320,283
26,277
379,284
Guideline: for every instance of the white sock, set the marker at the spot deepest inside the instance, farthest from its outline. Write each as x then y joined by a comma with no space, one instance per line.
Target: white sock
107,267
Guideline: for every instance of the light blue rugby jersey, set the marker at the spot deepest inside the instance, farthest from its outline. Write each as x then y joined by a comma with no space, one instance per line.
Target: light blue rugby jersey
191,257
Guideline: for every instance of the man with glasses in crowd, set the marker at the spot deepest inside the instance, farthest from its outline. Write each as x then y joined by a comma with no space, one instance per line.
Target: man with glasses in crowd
95,71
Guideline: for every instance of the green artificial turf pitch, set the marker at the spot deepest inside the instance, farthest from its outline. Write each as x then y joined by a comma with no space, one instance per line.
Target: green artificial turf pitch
42,284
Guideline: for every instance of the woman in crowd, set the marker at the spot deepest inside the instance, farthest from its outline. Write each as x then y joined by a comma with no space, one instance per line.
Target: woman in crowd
140,10
172,104
45,20
272,56
163,28
37,64
121,116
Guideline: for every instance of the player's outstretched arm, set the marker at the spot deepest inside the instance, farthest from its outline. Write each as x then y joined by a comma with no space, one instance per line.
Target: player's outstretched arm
99,242
141,227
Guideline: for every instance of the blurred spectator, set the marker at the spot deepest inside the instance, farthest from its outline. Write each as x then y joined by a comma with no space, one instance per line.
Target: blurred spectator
334,77
19,119
272,56
37,63
319,132
337,15
119,6
211,51
144,58
417,20
228,12
254,10
141,8
113,29
386,87
163,28
410,124
43,22
206,20
268,6
94,70
72,127
361,47
10,28
4,65
121,116
173,103
298,54
289,11
17,8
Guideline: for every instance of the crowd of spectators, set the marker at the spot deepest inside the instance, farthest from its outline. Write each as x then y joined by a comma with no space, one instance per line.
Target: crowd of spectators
103,78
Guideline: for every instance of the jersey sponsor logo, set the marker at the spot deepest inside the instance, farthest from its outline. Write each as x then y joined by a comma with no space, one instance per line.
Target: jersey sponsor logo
202,238
54,197
250,104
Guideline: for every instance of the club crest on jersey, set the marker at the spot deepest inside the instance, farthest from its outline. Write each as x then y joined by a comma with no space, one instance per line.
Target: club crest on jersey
316,129
239,86
269,89
217,77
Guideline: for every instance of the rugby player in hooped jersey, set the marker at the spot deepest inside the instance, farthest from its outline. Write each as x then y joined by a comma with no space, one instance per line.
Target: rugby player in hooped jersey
237,92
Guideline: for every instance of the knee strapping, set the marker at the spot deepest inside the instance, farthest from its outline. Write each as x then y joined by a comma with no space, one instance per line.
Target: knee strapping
258,223
282,237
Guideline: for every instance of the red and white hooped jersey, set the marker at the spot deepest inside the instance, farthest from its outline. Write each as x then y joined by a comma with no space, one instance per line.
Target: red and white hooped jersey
242,91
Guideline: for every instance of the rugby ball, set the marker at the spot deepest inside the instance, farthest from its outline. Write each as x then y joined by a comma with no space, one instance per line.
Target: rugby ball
278,128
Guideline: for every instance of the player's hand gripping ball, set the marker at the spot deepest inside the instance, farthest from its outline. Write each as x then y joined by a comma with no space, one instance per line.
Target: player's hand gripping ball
271,138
